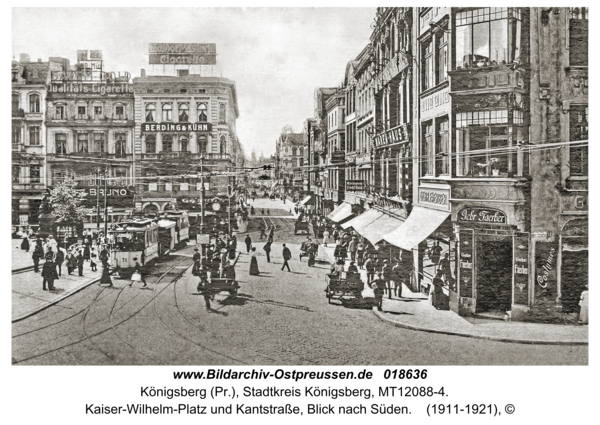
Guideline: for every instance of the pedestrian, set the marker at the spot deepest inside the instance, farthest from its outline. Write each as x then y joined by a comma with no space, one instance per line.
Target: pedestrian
386,274
25,243
38,252
352,247
287,256
437,291
370,267
93,256
268,211
378,290
248,242
252,209
105,278
444,267
272,233
59,259
267,249
138,274
71,262
360,252
104,255
86,250
262,211
312,253
435,252
80,261
50,254
263,232
397,277
254,263
51,243
49,275
325,237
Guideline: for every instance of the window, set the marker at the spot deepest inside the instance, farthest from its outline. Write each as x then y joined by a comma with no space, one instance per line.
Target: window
294,151
442,56
150,144
97,111
150,111
15,104
183,112
427,149
428,69
81,112
490,35
167,143
82,142
34,173
493,160
578,130
442,147
60,140
183,73
223,145
182,90
34,103
202,142
99,142
119,112
166,90
166,110
183,141
16,135
120,144
202,116
59,112
578,36
119,177
34,135
222,113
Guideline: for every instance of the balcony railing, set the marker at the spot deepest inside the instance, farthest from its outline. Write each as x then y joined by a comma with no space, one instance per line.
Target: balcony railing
188,155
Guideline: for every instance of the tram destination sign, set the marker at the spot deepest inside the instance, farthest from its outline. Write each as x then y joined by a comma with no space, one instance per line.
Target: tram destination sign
481,215
182,53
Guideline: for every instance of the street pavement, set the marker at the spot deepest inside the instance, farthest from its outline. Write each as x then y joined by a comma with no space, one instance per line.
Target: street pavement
21,259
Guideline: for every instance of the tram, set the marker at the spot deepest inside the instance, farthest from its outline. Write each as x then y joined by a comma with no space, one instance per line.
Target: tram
133,239
182,224
166,236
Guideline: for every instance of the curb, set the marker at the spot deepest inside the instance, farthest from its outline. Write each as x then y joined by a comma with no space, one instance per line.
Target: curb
22,269
62,297
468,335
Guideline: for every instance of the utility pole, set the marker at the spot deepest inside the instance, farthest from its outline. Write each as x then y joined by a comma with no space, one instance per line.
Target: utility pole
105,204
98,200
229,194
202,194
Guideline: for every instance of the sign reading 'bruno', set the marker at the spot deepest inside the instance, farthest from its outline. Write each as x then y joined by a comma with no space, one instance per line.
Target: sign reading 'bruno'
481,215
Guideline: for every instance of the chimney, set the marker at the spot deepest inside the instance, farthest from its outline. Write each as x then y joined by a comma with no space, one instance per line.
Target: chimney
24,57
143,73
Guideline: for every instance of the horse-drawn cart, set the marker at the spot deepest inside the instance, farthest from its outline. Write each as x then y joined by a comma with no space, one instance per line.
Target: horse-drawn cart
215,285
345,287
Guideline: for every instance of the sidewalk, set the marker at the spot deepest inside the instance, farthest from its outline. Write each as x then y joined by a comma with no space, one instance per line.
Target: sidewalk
21,260
413,311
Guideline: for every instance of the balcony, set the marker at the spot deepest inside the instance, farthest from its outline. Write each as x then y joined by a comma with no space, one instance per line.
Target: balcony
488,78
18,113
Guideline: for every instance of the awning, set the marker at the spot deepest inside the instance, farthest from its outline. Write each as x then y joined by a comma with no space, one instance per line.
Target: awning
309,200
342,212
166,224
421,223
375,231
362,221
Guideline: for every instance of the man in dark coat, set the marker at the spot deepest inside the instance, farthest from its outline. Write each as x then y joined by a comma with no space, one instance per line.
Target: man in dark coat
60,257
38,252
80,261
287,256
49,275
267,249
386,276
248,242
271,233
104,256
25,243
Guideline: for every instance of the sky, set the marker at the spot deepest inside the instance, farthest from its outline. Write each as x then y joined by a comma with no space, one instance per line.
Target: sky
276,56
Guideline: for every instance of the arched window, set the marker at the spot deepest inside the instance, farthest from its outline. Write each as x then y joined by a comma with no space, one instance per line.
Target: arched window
82,142
184,112
167,143
150,112
202,143
60,140
222,113
301,162
294,151
34,103
223,145
120,142
202,113
295,162
301,151
183,143
167,109
150,144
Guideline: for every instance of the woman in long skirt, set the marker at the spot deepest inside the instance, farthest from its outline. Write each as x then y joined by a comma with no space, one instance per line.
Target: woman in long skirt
106,275
254,263
25,243
86,251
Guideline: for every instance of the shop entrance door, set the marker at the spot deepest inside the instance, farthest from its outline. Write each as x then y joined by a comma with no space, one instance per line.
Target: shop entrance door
574,279
494,277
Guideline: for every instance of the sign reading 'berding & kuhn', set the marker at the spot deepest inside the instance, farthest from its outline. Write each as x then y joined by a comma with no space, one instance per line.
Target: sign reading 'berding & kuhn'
179,127
481,215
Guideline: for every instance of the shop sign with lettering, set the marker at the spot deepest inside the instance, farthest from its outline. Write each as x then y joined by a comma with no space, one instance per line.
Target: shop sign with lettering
521,270
355,185
177,127
481,215
183,53
115,196
465,265
338,157
546,254
363,158
574,203
439,197
90,88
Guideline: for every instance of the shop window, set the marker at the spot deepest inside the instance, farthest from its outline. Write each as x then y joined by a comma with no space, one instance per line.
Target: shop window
578,130
202,115
34,173
59,112
427,149
120,145
82,143
81,112
487,36
167,109
34,103
183,144
184,112
34,135
97,111
578,36
119,112
150,144
428,68
202,143
60,140
150,112
222,115
167,143
442,148
99,142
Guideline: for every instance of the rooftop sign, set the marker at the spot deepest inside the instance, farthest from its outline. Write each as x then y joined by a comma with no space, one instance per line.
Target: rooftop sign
182,53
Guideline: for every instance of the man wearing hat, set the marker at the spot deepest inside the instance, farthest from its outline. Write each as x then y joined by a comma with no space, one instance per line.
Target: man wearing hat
196,259
386,276
223,259
248,242
352,248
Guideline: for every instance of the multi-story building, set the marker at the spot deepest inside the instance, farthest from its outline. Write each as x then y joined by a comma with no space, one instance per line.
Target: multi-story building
29,88
186,124
290,153
335,175
90,122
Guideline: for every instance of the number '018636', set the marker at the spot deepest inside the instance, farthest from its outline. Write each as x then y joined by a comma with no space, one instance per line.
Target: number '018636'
405,374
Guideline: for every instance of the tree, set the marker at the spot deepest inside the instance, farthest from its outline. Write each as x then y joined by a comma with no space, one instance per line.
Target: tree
66,201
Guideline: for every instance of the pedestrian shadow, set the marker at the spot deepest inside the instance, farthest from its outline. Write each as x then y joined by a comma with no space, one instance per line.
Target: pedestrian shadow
239,300
398,313
365,303
57,290
221,313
